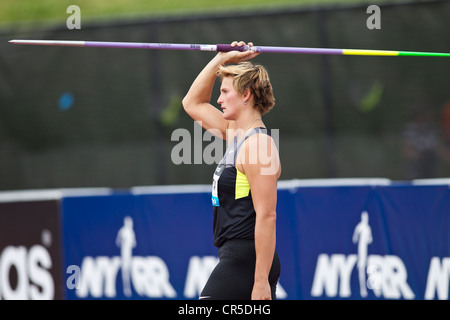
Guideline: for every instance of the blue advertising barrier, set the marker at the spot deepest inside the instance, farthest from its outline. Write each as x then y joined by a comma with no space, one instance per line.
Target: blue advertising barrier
354,241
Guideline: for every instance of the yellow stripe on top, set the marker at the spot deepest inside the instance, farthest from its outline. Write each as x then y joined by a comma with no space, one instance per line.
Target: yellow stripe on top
369,52
242,188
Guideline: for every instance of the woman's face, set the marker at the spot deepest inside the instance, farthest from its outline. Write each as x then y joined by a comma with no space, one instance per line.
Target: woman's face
230,100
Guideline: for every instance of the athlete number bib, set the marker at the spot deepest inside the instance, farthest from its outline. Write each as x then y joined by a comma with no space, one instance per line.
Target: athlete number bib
215,185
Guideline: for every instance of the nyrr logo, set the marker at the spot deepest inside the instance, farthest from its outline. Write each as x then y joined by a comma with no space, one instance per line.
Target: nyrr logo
148,276
385,275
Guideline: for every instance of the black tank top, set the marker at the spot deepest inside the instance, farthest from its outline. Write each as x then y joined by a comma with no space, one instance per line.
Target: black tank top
234,214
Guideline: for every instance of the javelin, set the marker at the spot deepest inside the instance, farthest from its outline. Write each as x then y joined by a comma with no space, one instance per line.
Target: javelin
227,47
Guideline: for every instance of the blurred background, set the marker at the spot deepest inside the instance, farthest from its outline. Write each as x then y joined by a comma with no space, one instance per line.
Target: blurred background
99,117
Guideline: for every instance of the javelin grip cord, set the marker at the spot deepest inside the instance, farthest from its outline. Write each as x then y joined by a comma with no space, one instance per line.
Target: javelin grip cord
228,47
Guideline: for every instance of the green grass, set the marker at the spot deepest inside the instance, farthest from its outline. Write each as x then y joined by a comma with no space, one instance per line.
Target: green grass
48,11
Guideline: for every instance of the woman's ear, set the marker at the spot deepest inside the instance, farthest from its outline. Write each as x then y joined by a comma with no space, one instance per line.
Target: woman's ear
246,95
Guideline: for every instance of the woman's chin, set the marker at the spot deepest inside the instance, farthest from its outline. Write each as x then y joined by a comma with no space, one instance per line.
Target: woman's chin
227,117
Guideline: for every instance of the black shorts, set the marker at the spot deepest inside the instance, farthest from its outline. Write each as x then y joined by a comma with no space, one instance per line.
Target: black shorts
233,277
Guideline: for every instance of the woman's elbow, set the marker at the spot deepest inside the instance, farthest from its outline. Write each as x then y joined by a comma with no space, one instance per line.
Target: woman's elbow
269,217
186,102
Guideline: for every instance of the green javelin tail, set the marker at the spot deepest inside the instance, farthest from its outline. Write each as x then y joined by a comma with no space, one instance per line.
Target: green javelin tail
423,54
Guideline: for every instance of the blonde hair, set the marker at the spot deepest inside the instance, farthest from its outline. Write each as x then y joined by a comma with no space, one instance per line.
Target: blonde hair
254,77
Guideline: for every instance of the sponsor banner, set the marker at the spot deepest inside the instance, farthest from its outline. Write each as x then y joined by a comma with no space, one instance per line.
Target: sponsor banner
372,242
30,251
334,242
138,246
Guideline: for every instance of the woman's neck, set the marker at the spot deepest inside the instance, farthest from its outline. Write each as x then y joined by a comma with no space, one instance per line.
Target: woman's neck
244,125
